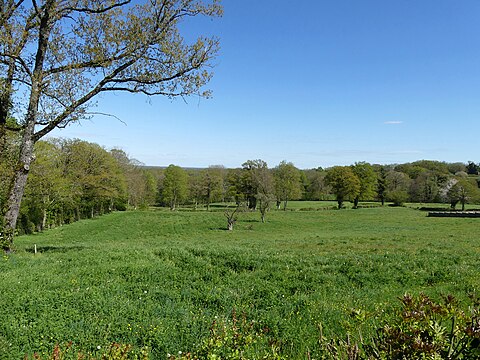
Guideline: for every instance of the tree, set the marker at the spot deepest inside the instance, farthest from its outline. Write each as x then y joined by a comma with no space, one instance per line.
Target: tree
317,189
344,183
381,183
263,180
248,181
233,186
368,181
287,183
232,215
472,168
195,188
212,184
463,191
57,56
175,186
96,177
425,187
141,184
46,188
397,185
8,159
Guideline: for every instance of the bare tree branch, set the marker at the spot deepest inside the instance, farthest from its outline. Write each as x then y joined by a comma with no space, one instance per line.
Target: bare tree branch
99,10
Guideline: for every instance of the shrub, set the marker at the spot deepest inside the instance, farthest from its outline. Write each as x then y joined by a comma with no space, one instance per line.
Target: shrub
420,329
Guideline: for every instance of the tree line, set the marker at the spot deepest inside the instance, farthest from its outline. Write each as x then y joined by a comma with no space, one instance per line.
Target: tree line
71,180
74,179
261,188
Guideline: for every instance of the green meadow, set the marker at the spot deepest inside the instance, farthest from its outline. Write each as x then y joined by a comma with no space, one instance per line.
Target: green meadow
157,279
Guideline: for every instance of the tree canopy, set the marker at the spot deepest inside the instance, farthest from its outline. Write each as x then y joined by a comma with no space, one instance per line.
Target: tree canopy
56,56
344,183
287,183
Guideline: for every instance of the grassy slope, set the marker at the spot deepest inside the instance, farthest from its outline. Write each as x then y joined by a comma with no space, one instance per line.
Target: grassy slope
158,278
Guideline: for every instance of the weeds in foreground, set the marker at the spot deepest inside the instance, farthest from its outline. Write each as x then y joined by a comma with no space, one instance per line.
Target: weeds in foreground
234,339
420,329
115,351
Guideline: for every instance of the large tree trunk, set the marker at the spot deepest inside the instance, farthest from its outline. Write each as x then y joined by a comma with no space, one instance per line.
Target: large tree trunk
5,105
28,138
18,185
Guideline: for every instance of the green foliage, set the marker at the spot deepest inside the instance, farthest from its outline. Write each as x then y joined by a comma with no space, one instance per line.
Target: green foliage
398,197
316,188
397,186
287,183
472,168
211,185
368,181
175,186
425,329
421,329
141,184
425,187
252,174
463,191
344,183
73,179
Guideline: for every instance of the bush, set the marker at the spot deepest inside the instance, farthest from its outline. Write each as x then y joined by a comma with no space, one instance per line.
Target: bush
397,197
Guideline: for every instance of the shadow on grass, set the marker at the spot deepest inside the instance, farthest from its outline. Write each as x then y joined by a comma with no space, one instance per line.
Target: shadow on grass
220,228
54,249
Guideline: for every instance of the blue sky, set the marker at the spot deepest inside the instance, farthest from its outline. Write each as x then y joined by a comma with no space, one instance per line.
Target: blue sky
317,83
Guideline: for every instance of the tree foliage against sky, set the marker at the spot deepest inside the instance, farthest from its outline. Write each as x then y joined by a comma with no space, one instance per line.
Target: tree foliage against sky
56,56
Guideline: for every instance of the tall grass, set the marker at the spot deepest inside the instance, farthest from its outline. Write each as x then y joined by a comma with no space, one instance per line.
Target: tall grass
158,279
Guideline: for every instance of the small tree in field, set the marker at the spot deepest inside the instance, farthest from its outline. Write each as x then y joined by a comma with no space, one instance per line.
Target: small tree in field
232,216
344,183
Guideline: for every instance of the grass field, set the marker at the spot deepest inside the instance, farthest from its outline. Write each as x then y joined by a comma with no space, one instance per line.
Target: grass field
158,279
